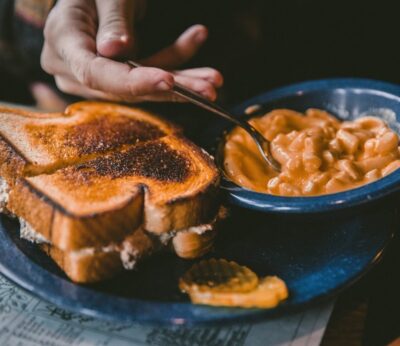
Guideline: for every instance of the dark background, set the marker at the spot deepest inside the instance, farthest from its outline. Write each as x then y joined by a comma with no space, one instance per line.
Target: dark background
261,44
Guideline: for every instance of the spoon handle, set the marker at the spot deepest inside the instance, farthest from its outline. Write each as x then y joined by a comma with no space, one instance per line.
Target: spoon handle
199,100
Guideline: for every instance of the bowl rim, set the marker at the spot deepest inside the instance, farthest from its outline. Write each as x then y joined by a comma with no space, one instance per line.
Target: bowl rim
314,204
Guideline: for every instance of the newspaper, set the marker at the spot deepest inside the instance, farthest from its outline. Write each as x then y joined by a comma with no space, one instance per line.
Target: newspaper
28,321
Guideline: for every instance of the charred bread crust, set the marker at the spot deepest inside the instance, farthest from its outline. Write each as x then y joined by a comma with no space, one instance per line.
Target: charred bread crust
198,241
12,162
189,210
68,232
93,265
190,245
28,113
181,213
80,107
197,208
10,153
96,264
202,153
23,203
86,268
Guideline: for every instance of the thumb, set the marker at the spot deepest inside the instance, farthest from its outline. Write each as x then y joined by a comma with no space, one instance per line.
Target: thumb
115,31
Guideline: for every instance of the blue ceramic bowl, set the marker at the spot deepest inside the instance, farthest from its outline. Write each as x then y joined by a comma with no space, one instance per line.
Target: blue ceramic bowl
345,98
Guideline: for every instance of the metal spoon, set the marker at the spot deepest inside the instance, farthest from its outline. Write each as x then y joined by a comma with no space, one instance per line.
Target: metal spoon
262,143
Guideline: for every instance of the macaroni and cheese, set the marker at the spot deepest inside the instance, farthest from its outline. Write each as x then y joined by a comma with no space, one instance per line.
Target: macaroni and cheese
319,154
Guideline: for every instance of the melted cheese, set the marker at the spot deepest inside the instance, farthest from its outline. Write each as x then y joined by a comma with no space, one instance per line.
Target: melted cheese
318,153
4,193
28,233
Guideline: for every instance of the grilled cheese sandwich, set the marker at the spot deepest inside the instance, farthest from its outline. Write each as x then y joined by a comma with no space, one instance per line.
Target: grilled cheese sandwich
102,186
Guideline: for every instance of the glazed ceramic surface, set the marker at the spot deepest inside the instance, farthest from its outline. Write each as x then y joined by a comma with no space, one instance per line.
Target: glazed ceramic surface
317,257
345,98
317,253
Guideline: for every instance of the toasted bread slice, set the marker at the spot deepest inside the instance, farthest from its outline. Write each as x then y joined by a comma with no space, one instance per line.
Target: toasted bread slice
96,264
192,245
33,143
164,185
84,179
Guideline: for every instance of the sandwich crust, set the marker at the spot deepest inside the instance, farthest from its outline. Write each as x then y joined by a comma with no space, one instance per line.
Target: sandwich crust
12,163
48,142
94,203
96,264
85,267
107,169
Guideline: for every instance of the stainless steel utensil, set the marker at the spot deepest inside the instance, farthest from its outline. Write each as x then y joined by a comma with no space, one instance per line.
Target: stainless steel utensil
262,143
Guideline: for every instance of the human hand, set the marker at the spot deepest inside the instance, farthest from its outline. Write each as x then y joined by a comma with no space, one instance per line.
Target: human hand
82,37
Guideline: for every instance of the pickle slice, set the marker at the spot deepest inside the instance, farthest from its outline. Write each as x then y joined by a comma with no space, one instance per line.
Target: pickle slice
268,294
218,275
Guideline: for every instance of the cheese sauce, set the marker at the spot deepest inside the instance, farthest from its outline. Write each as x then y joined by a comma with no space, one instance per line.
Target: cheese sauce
319,154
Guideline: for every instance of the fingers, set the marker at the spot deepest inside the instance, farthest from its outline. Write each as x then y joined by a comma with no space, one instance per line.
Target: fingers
211,75
51,62
72,87
201,80
182,50
69,84
198,85
70,55
117,78
106,75
115,31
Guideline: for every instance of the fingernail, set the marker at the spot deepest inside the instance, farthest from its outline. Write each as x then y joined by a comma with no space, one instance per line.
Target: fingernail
113,36
200,37
124,38
163,85
208,95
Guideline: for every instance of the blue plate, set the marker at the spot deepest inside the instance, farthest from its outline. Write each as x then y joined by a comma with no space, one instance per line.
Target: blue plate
347,99
318,257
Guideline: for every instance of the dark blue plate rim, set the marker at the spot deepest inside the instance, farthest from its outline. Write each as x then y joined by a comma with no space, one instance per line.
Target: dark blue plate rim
15,265
354,197
320,84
